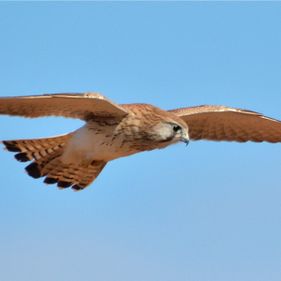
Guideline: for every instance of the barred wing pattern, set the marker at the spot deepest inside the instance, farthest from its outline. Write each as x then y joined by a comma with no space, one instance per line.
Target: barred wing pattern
220,123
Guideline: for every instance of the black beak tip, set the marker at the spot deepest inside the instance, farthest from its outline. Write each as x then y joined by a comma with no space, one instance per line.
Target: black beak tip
186,141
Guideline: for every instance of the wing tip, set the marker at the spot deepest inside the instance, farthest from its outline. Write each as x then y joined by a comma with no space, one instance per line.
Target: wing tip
11,146
63,184
33,170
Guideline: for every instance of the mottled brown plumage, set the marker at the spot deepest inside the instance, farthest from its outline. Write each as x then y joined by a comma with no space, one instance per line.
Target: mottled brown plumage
221,123
113,131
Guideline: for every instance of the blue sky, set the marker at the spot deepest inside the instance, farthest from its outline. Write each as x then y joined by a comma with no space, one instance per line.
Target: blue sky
208,212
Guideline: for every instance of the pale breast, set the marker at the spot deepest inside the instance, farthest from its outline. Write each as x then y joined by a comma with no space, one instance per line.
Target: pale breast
95,142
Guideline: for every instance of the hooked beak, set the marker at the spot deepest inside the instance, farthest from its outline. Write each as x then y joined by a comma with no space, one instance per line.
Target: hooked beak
185,138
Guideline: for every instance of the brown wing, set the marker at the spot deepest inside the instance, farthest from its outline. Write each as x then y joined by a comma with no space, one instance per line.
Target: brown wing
220,123
82,106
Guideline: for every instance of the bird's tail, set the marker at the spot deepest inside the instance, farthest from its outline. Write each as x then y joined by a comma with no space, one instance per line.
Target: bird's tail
36,149
46,155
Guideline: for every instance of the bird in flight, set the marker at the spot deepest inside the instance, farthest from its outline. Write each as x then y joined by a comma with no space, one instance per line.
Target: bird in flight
112,131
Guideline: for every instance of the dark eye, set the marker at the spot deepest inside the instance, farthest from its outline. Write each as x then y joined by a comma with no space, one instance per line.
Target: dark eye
176,128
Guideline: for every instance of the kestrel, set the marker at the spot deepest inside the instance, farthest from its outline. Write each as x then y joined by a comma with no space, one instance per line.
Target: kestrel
112,131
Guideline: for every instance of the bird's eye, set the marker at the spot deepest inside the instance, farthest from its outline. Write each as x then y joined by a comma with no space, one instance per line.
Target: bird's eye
176,128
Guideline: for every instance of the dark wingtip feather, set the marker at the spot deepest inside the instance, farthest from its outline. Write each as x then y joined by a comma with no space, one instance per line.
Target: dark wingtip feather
77,187
50,180
33,170
22,157
64,184
11,146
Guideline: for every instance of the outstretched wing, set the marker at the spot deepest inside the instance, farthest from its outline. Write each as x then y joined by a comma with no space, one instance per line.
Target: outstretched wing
220,123
81,106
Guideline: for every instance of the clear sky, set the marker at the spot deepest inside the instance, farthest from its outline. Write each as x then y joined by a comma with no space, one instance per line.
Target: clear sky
208,212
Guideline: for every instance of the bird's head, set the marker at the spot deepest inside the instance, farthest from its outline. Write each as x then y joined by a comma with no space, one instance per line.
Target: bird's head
164,128
149,127
170,130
